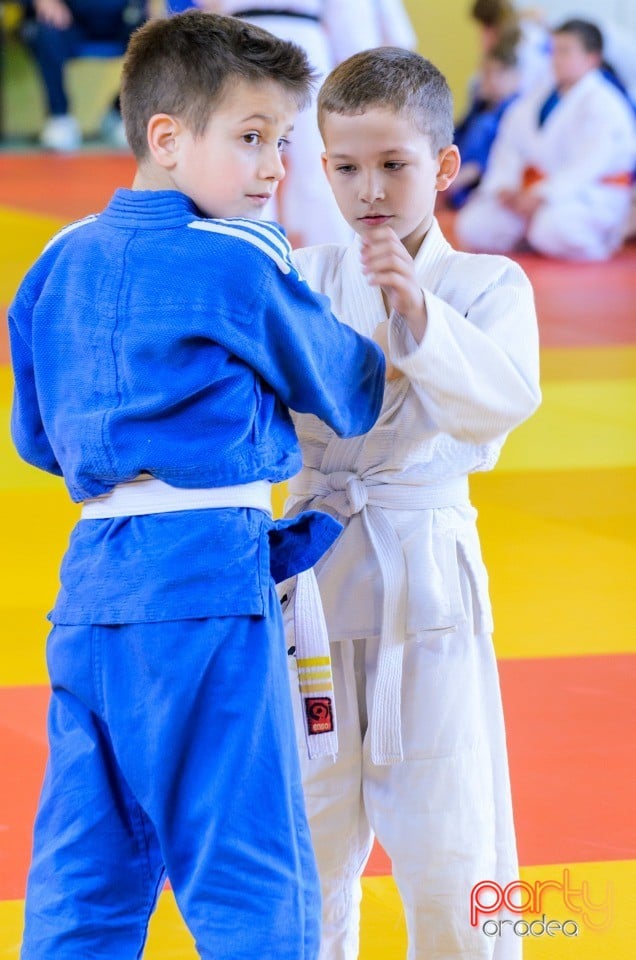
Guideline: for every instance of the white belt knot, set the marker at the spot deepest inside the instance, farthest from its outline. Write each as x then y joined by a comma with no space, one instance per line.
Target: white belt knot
349,493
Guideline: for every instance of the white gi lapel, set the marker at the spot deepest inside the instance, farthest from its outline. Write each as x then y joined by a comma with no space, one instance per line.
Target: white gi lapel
430,260
365,307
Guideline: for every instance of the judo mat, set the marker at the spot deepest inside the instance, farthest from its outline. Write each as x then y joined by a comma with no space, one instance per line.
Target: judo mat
558,528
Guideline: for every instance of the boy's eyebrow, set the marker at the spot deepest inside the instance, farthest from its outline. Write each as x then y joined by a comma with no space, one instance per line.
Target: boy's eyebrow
384,153
268,117
264,116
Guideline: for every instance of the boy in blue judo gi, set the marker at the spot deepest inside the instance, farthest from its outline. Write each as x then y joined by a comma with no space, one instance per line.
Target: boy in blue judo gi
156,348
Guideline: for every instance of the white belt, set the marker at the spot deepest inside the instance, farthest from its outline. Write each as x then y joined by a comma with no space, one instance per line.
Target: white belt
145,495
350,494
313,660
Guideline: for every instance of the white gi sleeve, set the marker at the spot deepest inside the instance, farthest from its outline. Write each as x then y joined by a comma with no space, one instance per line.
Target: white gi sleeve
477,376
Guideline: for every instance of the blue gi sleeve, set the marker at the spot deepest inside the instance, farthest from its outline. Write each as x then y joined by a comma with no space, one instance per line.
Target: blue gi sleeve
477,138
298,543
315,363
27,429
324,366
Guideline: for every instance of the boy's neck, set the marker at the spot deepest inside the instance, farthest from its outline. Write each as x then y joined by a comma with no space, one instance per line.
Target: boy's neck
150,177
413,243
569,84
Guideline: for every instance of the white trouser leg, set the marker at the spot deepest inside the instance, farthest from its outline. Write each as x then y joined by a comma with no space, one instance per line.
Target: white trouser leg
444,814
588,229
305,204
333,795
307,207
484,225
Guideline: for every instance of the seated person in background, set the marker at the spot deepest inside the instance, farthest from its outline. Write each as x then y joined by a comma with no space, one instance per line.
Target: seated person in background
55,31
475,133
560,171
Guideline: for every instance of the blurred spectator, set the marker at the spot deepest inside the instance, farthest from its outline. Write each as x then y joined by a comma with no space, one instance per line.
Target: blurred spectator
474,135
500,21
329,31
560,171
56,31
619,48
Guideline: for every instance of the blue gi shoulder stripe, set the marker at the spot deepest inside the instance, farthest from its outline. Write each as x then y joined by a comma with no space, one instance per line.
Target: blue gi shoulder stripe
69,229
265,236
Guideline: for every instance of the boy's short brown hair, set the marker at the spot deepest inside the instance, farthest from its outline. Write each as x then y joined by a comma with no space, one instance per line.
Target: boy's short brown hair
492,13
396,79
182,65
504,53
499,15
588,34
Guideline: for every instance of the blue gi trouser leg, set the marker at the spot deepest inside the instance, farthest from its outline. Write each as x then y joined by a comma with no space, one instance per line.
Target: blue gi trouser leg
53,47
172,743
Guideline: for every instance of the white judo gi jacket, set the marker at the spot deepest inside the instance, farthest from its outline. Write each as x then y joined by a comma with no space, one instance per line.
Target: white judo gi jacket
587,139
401,490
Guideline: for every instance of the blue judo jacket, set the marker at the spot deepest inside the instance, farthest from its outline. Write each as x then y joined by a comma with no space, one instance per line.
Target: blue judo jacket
150,339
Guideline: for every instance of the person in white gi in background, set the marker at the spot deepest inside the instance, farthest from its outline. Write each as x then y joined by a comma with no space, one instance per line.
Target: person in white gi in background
329,31
421,761
560,170
619,53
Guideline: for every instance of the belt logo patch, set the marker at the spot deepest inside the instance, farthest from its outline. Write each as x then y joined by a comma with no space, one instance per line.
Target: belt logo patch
319,714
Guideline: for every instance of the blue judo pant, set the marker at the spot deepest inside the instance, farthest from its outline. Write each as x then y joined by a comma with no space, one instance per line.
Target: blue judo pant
52,48
172,752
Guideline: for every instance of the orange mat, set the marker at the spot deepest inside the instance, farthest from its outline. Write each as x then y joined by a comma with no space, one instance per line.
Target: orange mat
69,187
566,720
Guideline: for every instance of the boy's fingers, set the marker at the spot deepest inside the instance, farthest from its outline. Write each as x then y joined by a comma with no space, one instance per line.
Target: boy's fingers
380,241
387,254
388,260
387,268
378,233
389,278
385,249
385,244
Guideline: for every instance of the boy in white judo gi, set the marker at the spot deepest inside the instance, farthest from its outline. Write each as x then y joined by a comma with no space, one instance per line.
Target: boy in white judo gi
156,348
421,757
560,172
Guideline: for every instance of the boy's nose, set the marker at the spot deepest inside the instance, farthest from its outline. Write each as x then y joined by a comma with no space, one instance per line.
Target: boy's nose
371,188
273,167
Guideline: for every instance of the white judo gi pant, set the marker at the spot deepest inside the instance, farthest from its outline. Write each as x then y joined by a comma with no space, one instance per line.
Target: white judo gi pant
304,204
443,814
589,226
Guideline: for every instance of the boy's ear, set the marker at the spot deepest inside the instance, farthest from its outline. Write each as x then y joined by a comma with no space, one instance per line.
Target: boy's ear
323,157
449,164
163,138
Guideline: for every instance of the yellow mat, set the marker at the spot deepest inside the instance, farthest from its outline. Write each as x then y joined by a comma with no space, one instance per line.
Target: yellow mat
383,934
